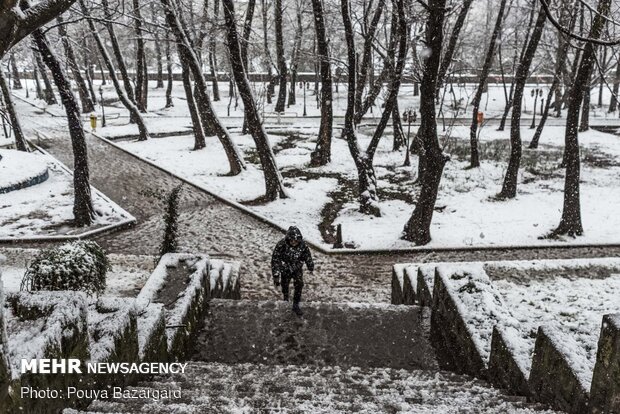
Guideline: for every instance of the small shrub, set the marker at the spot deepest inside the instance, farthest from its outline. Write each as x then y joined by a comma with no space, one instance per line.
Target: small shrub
80,265
171,218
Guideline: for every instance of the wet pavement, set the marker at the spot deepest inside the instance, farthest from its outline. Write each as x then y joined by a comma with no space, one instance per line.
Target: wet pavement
370,335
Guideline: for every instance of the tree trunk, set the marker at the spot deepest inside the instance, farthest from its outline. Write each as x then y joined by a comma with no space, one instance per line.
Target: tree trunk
502,123
158,53
322,152
509,188
212,54
399,135
20,139
274,187
247,31
120,61
141,75
128,103
601,82
584,123
199,133
17,82
570,223
555,85
35,73
367,188
613,103
474,161
282,70
295,60
209,119
268,64
169,101
83,211
87,104
418,228
48,92
365,64
401,31
374,91
88,69
454,37
101,71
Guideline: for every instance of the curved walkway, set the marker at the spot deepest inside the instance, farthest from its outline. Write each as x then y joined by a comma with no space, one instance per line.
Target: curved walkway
212,226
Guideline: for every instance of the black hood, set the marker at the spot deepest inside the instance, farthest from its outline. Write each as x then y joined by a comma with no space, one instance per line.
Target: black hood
293,233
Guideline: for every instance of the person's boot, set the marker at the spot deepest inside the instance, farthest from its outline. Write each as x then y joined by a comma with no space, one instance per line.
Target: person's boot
297,309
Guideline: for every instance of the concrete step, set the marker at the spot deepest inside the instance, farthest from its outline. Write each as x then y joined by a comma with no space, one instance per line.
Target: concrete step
343,334
257,388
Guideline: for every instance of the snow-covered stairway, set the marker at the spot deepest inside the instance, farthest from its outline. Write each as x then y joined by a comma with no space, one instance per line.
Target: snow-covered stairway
256,357
346,334
258,388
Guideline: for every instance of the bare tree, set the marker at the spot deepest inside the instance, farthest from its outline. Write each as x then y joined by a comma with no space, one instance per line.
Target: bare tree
274,187
212,50
295,56
322,154
199,132
158,51
268,62
367,181
83,211
454,37
247,31
20,139
364,66
509,188
142,80
613,102
17,80
208,116
48,92
555,88
418,228
169,101
282,70
118,55
502,122
127,103
87,103
570,223
474,161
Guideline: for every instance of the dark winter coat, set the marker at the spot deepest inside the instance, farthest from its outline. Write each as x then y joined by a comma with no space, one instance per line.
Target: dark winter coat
287,260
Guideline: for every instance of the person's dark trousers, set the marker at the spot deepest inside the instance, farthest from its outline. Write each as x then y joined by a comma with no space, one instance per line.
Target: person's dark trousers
298,285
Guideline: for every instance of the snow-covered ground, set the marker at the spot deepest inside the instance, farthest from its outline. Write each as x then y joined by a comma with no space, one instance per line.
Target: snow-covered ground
468,215
574,306
568,297
46,209
18,168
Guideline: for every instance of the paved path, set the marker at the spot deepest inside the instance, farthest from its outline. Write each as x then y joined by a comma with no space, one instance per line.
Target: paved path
342,334
209,225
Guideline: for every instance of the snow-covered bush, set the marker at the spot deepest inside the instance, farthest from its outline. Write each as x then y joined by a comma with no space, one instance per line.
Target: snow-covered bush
80,265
